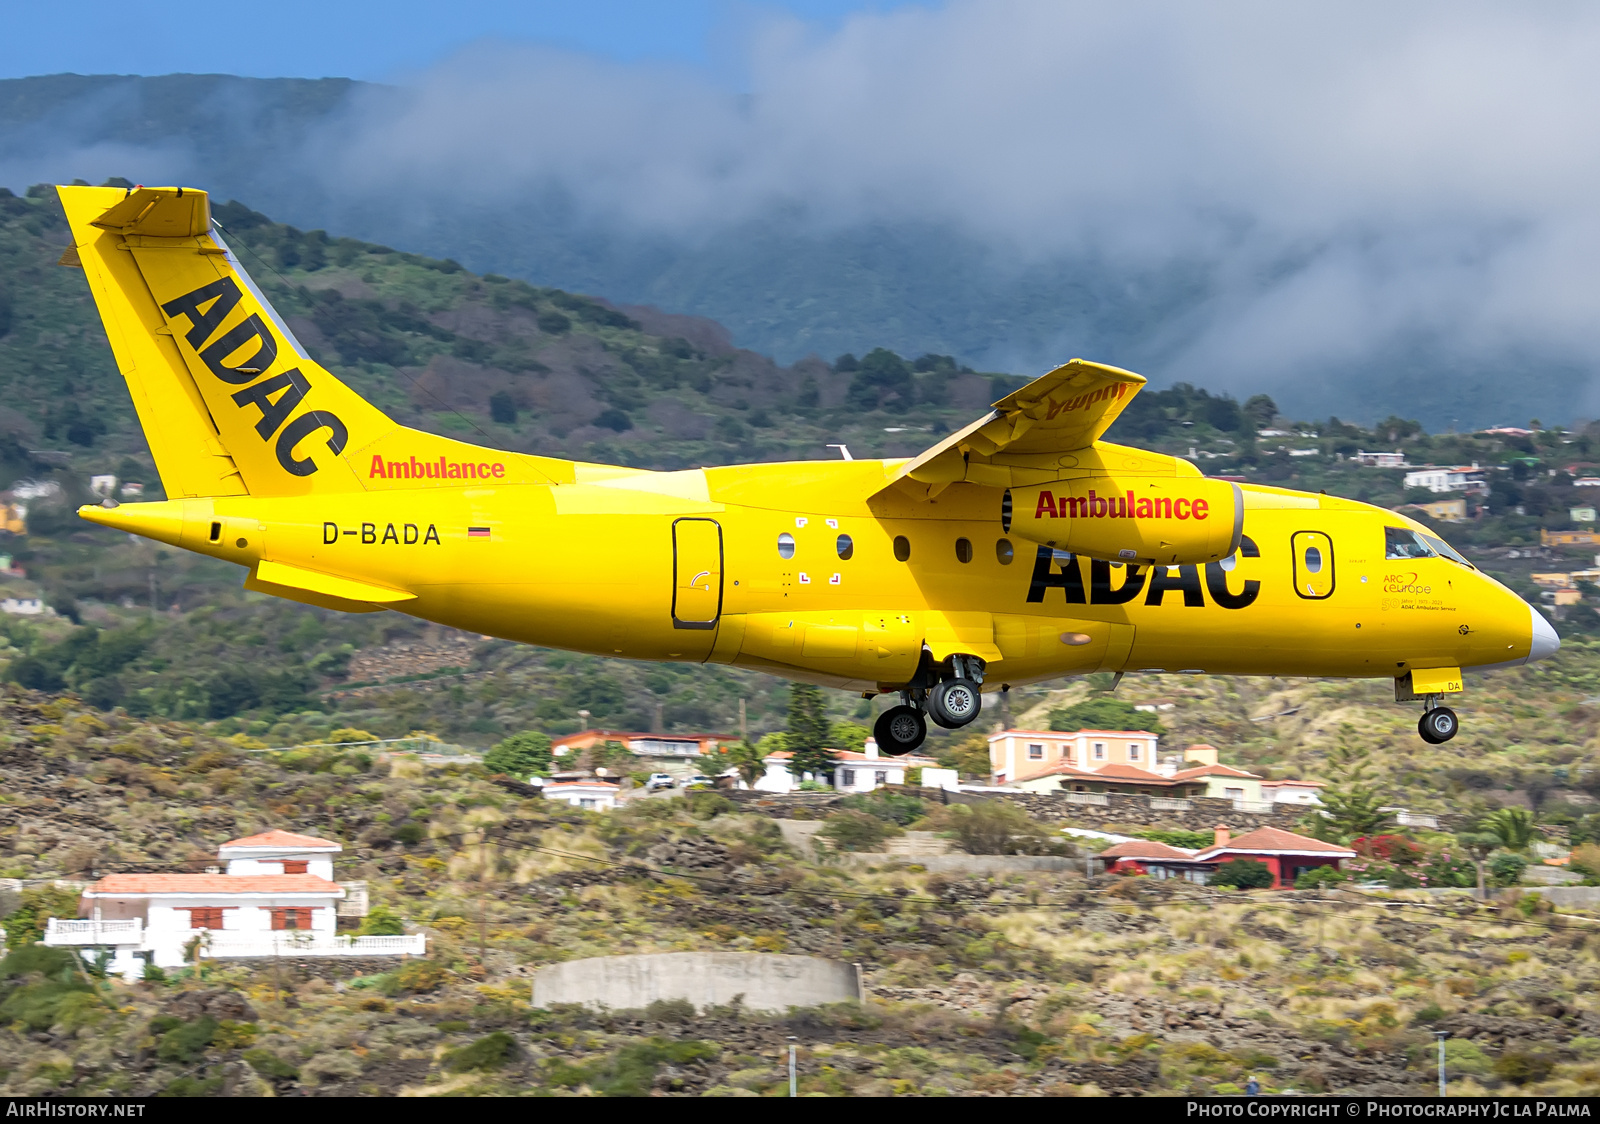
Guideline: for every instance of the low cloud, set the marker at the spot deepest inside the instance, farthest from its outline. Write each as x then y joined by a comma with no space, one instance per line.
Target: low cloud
1339,181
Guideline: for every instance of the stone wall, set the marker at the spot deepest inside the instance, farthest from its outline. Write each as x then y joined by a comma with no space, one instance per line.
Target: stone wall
1119,811
760,981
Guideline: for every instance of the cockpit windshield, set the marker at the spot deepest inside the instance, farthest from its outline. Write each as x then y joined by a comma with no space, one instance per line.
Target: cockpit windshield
1404,543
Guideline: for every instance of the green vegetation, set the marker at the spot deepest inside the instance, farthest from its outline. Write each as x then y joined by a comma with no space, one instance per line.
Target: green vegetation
1104,713
1243,874
521,755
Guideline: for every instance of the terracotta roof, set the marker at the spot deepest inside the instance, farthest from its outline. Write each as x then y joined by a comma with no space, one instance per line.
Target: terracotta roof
1117,774
283,839
1146,849
1070,733
1213,771
1269,839
113,884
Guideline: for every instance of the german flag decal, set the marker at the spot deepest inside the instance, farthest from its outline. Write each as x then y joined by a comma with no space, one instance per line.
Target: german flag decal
477,532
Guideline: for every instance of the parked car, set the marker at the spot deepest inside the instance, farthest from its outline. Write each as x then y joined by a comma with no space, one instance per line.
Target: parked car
659,781
699,780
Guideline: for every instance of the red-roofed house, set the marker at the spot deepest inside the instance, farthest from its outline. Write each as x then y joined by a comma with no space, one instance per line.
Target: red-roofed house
685,746
1286,854
595,795
277,898
1146,856
1021,753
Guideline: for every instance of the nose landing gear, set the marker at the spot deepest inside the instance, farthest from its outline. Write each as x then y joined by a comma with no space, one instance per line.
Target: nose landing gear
953,701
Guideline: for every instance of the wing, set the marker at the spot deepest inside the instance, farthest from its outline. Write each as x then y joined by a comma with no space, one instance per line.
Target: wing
1029,429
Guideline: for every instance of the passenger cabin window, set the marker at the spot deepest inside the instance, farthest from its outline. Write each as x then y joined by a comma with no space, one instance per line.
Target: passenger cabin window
845,547
902,548
963,550
786,545
1004,551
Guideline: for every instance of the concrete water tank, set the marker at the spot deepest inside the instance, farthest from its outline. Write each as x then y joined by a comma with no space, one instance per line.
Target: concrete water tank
764,981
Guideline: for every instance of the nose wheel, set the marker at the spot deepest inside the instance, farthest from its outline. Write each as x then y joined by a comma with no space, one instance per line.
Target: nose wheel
1438,725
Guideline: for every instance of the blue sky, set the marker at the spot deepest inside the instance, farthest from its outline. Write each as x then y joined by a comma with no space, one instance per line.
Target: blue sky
375,41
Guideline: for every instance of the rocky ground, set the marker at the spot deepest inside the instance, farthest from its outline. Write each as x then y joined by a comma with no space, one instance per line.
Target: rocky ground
1005,985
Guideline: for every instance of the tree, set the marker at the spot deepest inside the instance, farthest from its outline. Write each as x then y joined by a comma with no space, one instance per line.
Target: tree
1259,411
882,378
1104,714
1354,804
1512,826
1479,845
807,734
521,755
848,735
748,760
1246,874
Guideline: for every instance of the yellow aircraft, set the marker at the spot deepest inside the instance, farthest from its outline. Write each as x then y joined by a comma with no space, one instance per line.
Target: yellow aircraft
1022,548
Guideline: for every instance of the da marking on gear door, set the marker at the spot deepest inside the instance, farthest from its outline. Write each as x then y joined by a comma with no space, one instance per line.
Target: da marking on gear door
1313,564
697,573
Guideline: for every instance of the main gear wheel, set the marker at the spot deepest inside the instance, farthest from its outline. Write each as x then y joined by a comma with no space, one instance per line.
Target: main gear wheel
899,730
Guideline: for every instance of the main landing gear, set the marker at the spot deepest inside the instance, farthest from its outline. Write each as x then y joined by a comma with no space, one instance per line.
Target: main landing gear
1438,724
949,693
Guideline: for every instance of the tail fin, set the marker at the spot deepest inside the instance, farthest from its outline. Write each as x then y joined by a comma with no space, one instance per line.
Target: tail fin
230,401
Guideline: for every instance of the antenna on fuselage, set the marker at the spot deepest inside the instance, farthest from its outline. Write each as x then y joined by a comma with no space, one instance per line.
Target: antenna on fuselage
844,451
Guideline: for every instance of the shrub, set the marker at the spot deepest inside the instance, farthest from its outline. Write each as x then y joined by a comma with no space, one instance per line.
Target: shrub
268,1064
38,981
669,1011
25,925
1192,840
380,921
1513,827
994,827
1104,714
1245,874
186,1042
410,833
521,755
1318,877
414,977
891,807
856,831
707,805
489,1052
1506,867
632,1069
1520,1067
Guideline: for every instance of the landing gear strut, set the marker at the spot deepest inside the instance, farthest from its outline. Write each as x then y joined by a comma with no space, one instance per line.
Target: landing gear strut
950,694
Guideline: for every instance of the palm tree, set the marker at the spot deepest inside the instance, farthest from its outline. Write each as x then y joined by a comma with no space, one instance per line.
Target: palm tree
1512,826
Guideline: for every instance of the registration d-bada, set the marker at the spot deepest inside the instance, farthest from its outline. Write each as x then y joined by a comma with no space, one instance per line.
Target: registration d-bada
1023,548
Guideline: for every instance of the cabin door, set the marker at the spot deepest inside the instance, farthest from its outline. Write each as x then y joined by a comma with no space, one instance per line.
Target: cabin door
697,573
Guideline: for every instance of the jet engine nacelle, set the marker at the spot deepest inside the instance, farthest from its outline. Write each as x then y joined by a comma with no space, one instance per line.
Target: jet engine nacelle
1163,521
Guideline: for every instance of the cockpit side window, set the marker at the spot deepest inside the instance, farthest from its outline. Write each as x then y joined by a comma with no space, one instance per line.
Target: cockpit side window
1444,549
1401,542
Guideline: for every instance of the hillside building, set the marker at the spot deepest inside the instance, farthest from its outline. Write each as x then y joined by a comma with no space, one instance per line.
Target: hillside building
276,897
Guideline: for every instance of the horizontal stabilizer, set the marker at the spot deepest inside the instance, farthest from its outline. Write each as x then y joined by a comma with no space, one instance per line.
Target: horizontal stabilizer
159,212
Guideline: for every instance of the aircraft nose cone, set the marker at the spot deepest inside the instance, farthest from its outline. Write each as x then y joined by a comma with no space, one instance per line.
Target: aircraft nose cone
1545,641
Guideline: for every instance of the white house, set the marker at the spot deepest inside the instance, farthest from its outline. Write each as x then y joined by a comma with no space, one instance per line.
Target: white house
1291,792
852,772
1014,754
593,795
277,898
1448,478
